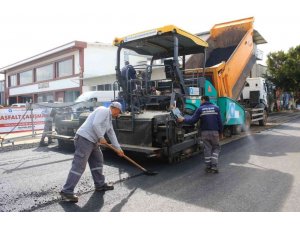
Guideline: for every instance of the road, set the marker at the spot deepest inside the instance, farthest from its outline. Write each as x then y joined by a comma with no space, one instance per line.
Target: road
258,172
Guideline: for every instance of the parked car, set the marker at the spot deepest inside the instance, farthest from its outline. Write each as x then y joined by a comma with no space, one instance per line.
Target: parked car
18,105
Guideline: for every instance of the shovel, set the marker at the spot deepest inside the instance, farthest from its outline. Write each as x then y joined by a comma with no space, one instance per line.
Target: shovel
147,172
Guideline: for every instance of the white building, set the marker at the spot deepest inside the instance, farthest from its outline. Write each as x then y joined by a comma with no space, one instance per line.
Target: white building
100,62
63,73
2,82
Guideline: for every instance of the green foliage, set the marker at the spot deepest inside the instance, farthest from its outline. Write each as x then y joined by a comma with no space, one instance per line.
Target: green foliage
284,69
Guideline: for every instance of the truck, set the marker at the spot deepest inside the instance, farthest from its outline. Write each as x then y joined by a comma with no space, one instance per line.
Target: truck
254,97
231,54
149,126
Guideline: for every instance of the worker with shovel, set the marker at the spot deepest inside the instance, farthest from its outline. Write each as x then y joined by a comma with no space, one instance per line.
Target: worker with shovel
86,141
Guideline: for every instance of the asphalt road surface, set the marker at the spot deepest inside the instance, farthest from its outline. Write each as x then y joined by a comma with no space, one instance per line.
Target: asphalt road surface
258,172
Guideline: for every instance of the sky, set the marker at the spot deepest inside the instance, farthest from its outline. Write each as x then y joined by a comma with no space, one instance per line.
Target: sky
30,27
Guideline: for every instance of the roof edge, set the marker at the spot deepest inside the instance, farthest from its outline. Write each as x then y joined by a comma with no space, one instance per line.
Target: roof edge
73,44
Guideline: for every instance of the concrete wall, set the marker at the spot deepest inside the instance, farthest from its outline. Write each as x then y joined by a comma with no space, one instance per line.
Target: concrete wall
99,60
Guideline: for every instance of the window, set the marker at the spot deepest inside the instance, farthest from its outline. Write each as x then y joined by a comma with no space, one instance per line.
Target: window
26,77
105,87
44,73
71,96
1,86
45,97
100,87
65,68
13,80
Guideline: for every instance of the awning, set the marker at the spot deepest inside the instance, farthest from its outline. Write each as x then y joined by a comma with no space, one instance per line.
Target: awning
159,42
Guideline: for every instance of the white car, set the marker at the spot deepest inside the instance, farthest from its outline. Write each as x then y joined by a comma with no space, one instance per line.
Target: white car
18,105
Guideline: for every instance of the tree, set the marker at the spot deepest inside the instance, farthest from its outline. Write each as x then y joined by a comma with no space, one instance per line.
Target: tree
284,69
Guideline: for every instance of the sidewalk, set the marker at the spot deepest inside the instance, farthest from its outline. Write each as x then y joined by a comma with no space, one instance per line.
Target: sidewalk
20,138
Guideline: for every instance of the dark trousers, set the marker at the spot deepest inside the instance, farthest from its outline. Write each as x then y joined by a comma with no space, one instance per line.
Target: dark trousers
47,130
85,152
211,147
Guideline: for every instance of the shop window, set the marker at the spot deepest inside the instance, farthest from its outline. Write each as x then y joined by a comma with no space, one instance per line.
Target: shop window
25,99
45,97
45,73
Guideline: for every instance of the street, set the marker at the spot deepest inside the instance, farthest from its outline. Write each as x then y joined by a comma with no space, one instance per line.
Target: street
258,173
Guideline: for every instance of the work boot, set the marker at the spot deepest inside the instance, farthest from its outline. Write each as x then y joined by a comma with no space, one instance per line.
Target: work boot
43,144
105,187
214,169
68,197
208,170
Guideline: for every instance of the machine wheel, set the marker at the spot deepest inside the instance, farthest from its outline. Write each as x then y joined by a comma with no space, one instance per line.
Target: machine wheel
227,132
236,129
263,122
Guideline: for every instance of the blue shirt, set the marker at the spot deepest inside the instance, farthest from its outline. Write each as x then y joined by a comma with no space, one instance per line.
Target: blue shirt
209,115
128,71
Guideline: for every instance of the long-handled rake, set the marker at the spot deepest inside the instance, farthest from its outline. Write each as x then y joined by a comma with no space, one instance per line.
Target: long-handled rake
147,172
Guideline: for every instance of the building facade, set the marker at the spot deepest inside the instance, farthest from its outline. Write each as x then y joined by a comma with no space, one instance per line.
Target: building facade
99,63
2,88
52,75
63,73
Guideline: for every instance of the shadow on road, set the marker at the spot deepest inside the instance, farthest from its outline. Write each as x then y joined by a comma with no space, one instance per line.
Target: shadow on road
119,206
235,188
94,204
241,185
244,183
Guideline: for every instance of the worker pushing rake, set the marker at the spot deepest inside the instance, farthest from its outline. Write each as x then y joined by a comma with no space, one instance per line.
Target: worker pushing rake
87,140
